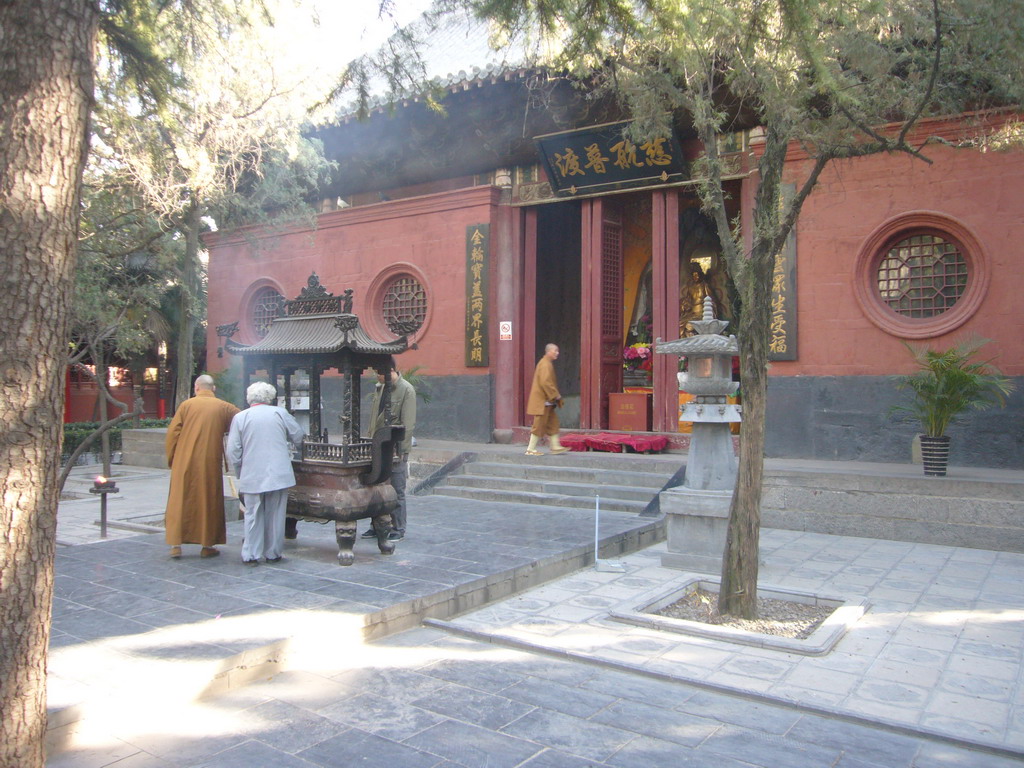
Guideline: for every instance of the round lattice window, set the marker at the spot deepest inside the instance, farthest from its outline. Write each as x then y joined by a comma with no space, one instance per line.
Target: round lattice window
922,275
404,305
266,305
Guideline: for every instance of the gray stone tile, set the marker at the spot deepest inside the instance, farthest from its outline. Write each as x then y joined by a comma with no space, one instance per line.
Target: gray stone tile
171,616
556,670
373,752
77,591
126,604
289,728
738,711
665,724
977,686
626,686
482,675
765,750
551,758
252,754
871,745
474,747
211,603
647,752
185,749
395,683
935,755
360,593
472,706
93,625
585,738
385,717
578,702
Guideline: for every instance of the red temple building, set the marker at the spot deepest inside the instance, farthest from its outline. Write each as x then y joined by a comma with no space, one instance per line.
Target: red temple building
491,231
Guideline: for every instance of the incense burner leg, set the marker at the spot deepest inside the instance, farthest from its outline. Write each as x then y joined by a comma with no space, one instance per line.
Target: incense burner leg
345,532
291,528
382,527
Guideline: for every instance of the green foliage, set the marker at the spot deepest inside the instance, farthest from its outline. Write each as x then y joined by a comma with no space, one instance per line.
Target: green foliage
77,432
124,266
229,383
419,383
216,143
948,383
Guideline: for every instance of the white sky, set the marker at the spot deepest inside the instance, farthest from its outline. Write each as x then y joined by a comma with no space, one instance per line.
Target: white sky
351,27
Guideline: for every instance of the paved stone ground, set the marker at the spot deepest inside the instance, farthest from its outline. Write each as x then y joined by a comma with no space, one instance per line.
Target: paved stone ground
938,650
138,673
426,698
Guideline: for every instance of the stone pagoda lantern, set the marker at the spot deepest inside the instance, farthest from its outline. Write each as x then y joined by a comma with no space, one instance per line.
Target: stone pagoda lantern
697,512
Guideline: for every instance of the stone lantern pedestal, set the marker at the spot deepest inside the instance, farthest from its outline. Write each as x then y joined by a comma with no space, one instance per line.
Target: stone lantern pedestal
697,512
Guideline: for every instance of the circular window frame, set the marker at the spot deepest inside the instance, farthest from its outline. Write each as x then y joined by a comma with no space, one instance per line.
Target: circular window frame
247,331
878,244
374,314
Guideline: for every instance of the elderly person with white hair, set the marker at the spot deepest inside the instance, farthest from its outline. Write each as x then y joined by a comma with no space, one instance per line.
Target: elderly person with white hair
258,452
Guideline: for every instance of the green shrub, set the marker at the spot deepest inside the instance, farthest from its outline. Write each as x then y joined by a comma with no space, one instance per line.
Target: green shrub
76,433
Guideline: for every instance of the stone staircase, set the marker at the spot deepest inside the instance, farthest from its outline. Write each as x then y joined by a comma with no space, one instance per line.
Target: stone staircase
624,482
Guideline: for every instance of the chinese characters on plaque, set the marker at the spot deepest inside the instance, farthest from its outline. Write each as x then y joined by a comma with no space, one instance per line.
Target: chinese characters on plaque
603,157
782,344
478,246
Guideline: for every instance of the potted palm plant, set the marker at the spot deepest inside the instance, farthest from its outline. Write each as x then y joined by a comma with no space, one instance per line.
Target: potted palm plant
946,384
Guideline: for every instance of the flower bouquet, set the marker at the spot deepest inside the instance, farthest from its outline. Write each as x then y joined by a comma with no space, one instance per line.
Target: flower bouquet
637,357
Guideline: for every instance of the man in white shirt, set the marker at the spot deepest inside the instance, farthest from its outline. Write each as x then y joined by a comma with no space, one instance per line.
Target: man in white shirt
258,450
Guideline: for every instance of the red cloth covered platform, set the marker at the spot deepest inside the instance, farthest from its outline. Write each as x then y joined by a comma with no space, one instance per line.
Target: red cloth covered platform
615,443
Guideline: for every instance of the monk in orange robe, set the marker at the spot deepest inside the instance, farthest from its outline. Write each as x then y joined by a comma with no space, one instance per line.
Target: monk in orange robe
195,455
544,399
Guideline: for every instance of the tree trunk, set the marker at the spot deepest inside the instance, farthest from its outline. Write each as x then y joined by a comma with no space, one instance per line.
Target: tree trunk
738,592
46,49
190,287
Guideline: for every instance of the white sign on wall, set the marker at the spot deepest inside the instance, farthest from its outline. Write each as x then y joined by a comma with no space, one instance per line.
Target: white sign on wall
505,330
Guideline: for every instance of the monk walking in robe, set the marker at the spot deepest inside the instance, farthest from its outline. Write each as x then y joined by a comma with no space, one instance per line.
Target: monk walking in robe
544,399
195,455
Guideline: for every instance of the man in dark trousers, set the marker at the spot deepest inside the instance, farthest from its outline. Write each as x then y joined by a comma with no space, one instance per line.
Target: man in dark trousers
403,412
544,399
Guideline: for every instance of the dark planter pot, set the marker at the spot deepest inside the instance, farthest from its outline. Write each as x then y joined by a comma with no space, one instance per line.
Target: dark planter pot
935,455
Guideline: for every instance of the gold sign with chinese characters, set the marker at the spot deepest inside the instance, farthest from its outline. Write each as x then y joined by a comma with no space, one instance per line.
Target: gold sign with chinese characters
782,343
604,157
478,251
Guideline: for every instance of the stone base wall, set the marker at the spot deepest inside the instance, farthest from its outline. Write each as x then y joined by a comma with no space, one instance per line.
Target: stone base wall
847,418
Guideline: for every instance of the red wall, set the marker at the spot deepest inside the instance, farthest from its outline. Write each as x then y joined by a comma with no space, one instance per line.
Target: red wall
349,249
81,402
982,191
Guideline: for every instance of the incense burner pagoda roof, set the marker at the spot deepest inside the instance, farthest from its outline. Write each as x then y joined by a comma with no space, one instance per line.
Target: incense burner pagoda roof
318,335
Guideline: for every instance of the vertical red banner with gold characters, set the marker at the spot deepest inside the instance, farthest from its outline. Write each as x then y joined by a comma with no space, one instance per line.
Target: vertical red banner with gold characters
478,256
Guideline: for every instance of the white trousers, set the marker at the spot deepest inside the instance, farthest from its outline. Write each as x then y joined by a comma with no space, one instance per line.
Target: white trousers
264,524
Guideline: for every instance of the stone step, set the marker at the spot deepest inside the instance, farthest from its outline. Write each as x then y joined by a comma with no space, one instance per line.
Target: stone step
537,498
666,463
555,487
646,478
951,512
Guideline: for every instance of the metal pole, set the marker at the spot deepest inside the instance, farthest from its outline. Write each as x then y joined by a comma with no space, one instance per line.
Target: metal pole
103,515
597,525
